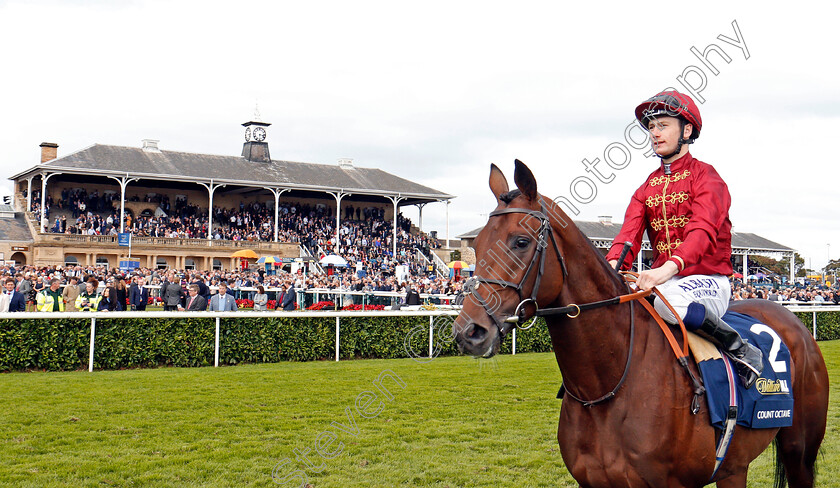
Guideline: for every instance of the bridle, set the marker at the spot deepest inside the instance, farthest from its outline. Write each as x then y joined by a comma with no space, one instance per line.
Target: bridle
544,234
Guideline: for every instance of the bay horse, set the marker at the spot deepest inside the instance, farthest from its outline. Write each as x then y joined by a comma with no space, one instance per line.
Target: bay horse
626,420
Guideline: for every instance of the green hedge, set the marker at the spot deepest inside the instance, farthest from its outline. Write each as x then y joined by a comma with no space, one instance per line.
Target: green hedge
828,324
63,344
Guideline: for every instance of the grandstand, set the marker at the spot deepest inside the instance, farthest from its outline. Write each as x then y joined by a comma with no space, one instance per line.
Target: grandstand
194,211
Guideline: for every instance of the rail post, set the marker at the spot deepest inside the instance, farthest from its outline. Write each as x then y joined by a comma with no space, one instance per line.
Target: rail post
92,338
431,335
216,363
514,341
337,334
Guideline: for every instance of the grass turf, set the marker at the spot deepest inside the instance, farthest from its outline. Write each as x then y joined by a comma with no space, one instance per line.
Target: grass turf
458,422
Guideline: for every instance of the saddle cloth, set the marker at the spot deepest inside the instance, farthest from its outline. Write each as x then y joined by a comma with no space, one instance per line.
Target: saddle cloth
769,402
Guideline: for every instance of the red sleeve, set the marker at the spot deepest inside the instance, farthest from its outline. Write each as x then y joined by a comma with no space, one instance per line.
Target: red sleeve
710,209
631,230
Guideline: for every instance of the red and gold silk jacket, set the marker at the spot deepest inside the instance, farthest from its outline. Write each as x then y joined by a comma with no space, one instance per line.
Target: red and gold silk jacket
686,215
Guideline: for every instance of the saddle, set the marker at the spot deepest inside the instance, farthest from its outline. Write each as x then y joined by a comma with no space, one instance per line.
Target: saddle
768,404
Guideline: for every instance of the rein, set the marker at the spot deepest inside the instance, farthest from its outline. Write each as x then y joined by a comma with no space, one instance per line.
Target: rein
573,310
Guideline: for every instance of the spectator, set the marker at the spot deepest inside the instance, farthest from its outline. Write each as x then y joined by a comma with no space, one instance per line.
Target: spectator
195,302
70,293
108,301
411,296
222,301
138,294
289,298
260,299
88,300
50,299
171,292
13,300
25,287
121,292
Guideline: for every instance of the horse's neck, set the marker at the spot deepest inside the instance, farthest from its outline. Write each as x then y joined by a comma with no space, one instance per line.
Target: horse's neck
591,349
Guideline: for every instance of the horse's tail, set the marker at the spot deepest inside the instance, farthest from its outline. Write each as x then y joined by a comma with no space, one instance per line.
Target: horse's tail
779,477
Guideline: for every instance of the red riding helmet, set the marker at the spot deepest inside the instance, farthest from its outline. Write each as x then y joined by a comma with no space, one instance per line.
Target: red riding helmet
671,104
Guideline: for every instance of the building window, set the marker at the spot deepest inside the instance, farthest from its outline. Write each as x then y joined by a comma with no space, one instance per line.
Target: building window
217,263
189,263
102,261
161,263
71,261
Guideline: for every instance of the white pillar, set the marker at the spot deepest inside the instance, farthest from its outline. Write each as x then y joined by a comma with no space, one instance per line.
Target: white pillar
44,178
420,219
792,265
746,266
639,260
339,195
122,206
276,214
396,201
43,202
211,189
29,194
447,223
277,192
123,181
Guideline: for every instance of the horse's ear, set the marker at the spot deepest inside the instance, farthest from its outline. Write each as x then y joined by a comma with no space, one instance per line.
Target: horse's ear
498,182
525,180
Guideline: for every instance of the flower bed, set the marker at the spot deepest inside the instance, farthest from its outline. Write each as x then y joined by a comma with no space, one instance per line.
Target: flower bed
363,307
323,304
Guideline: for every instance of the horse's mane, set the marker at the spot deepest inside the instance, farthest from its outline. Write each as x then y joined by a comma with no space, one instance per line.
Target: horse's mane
614,277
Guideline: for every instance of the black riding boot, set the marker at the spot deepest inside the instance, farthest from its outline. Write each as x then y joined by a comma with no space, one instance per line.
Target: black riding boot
747,357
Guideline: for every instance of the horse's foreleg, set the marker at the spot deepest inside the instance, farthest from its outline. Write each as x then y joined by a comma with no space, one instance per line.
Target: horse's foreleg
738,480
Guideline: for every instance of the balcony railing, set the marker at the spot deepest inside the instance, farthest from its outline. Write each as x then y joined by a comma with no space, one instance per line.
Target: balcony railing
78,239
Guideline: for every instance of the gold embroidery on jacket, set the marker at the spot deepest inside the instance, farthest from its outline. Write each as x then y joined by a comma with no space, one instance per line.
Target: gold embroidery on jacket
663,246
673,221
676,197
658,180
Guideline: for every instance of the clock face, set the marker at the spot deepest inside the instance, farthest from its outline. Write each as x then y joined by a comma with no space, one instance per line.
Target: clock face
247,134
259,134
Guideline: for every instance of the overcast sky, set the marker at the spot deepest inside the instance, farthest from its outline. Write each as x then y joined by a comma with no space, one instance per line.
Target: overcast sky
436,91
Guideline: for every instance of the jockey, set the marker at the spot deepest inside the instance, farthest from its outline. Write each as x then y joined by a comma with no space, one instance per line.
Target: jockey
684,207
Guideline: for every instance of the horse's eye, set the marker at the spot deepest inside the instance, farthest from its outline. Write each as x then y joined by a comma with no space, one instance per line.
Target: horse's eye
521,242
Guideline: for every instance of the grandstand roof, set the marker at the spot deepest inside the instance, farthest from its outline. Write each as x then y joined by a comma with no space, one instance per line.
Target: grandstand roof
15,229
105,160
596,231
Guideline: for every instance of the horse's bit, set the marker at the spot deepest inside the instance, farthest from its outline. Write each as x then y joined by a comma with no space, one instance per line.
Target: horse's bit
544,233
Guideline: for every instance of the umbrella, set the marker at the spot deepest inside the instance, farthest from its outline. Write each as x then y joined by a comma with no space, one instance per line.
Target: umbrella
737,275
333,260
458,265
269,260
245,253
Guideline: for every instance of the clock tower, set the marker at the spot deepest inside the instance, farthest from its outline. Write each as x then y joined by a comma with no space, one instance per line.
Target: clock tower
255,148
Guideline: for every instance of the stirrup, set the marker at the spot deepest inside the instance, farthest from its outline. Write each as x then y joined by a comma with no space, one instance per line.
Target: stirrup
746,371
743,363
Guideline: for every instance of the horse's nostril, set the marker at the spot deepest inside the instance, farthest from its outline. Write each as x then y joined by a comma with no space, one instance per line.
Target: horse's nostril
475,333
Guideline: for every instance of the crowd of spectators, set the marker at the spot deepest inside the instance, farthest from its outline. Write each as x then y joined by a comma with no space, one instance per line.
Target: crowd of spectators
807,295
365,237
171,289
103,288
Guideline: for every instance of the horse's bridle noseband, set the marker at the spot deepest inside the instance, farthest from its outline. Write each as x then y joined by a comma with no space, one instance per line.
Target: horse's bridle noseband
544,234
